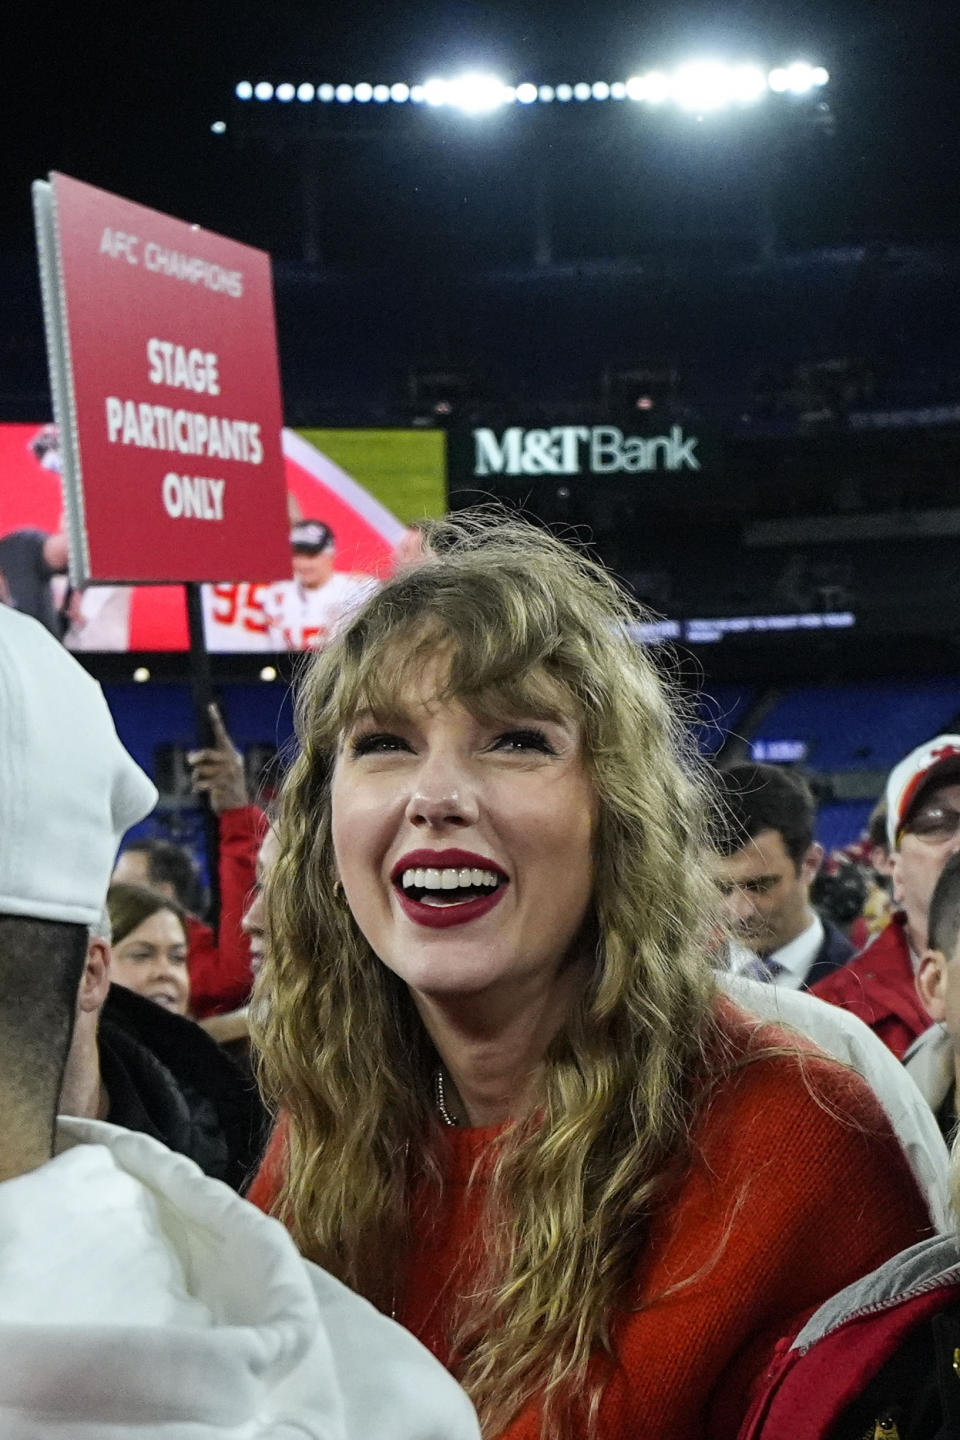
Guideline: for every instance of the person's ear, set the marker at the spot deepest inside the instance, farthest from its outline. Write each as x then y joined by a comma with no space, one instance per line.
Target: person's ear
810,864
95,981
931,983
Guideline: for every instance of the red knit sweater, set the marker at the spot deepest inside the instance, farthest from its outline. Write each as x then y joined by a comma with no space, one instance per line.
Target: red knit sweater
797,1187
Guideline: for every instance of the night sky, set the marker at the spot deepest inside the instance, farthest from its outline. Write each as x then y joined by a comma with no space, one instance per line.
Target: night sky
123,96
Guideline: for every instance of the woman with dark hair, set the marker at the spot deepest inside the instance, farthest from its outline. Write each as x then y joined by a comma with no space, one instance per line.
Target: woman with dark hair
148,937
514,1111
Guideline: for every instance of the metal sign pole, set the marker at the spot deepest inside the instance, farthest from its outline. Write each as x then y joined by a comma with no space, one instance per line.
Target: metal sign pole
201,689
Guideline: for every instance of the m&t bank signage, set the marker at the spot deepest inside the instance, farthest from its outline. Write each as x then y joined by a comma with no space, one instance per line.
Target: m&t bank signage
584,450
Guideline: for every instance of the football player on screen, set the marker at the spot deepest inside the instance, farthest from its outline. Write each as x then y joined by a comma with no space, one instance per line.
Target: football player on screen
305,611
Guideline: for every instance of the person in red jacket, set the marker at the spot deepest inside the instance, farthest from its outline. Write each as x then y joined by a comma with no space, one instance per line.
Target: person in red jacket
519,1116
882,1359
923,828
219,963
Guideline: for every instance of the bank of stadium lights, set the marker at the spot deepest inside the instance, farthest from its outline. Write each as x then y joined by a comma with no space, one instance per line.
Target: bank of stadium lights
700,86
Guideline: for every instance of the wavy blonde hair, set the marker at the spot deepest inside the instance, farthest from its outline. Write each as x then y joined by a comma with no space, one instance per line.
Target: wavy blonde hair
519,618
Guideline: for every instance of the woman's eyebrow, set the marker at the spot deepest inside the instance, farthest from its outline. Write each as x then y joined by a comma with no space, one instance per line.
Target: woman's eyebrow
388,715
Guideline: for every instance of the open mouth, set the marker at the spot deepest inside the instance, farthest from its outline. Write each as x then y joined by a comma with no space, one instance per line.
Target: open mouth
448,894
449,886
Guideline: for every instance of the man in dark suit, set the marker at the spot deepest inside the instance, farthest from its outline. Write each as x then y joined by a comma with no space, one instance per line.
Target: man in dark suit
765,863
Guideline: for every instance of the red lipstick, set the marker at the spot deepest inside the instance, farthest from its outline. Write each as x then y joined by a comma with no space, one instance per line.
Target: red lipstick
440,917
444,859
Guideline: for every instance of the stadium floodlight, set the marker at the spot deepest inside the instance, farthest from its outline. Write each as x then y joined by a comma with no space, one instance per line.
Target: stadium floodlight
657,87
701,86
654,87
477,94
435,92
800,78
748,84
219,127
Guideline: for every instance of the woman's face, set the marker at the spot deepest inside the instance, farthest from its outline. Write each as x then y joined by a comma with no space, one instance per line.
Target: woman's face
152,960
465,846
254,919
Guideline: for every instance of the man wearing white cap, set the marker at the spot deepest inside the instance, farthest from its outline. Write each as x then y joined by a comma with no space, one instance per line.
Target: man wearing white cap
923,830
137,1297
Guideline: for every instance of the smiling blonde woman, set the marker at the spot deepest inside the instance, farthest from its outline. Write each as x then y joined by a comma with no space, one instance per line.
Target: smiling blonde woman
514,1111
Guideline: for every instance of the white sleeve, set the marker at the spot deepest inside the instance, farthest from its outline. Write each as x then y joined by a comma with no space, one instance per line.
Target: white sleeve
847,1038
392,1387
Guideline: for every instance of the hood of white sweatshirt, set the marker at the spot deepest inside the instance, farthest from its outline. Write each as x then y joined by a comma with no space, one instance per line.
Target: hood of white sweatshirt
138,1297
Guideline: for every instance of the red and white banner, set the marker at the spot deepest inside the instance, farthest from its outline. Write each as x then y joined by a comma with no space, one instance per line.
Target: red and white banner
163,352
368,537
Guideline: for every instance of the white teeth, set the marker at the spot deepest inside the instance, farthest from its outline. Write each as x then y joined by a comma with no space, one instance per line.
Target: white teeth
448,879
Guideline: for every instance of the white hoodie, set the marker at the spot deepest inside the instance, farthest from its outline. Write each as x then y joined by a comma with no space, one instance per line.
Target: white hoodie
138,1298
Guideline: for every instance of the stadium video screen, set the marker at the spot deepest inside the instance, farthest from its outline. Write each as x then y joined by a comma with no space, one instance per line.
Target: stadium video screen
353,497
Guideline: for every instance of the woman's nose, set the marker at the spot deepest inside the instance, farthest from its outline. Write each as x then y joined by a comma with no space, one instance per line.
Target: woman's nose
443,794
252,920
164,964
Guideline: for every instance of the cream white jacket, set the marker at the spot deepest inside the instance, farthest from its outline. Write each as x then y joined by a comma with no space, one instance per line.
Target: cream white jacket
138,1298
848,1039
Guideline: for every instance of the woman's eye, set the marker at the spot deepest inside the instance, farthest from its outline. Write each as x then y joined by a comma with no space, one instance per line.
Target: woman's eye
377,744
525,739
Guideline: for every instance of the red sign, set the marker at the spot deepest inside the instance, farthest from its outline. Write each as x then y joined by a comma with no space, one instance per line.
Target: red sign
170,394
238,615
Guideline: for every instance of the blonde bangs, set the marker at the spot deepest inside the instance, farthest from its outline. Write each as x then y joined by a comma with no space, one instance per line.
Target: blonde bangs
482,645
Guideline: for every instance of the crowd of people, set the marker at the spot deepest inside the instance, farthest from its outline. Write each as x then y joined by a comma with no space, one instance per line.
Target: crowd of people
579,1119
